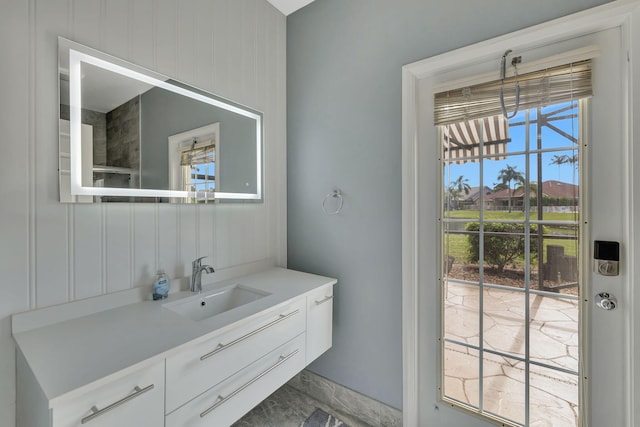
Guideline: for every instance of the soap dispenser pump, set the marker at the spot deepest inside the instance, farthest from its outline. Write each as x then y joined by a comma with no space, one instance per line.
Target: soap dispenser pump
160,285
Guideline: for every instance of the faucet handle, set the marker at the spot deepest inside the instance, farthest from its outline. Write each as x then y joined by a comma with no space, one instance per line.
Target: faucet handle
198,262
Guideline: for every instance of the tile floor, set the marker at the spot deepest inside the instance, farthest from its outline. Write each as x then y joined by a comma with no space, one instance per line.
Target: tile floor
288,407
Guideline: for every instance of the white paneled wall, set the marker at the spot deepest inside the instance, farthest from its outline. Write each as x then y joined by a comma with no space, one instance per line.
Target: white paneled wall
51,253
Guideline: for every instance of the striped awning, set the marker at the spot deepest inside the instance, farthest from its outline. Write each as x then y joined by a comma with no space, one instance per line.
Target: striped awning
201,152
462,140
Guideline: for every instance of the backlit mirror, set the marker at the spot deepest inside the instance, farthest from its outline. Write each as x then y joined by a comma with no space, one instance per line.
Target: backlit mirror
128,134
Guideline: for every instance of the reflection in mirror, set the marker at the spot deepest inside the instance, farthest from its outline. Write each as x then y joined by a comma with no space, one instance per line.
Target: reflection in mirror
128,134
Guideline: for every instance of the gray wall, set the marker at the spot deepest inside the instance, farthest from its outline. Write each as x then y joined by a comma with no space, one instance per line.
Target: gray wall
344,62
165,113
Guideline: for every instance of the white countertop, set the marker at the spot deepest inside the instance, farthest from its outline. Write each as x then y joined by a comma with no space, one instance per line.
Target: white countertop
73,356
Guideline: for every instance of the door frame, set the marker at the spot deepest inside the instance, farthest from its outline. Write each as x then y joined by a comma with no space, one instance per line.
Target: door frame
420,366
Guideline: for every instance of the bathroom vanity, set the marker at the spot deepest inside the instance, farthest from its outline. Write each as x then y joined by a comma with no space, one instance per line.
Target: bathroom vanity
191,360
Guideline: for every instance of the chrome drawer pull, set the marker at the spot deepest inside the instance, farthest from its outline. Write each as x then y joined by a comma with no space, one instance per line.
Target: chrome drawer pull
329,298
222,399
221,346
97,412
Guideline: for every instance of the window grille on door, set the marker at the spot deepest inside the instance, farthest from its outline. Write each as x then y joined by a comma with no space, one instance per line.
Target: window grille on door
511,199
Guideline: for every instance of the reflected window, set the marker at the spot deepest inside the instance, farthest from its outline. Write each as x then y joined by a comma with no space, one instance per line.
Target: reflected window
198,164
194,163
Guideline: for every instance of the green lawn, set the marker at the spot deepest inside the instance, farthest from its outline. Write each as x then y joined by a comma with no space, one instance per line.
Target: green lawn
493,215
456,245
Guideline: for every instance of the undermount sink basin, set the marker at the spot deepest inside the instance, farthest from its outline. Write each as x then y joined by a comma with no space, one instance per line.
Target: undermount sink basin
211,303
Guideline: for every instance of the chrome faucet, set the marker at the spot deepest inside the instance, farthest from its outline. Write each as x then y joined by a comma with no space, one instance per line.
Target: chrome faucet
196,274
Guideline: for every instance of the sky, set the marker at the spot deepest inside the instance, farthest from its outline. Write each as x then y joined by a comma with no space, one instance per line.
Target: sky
553,144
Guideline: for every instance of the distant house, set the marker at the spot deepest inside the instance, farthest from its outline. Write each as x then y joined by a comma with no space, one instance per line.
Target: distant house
472,200
554,193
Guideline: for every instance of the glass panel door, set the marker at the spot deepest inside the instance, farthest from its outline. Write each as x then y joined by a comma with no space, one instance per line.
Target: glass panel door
511,269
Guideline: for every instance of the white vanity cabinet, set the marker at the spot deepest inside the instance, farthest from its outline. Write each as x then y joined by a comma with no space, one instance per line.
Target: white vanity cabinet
319,322
220,379
133,401
135,364
197,369
228,401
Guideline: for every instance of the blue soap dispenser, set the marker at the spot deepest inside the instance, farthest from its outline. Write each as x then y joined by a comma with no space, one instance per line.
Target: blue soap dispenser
160,286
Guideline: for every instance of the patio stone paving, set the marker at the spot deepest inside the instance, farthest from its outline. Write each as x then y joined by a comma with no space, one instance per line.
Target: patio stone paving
553,341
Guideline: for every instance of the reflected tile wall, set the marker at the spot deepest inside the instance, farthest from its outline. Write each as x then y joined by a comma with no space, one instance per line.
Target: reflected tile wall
123,135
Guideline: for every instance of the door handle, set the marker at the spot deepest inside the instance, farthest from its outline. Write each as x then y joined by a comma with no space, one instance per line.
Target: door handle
606,301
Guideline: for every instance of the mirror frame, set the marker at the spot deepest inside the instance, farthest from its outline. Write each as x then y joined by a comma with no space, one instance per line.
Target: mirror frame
78,54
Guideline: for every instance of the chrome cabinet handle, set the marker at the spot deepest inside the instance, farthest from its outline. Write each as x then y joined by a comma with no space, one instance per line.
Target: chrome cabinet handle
221,346
222,399
97,412
326,299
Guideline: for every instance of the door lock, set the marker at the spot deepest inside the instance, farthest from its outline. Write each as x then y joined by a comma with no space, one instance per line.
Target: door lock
606,301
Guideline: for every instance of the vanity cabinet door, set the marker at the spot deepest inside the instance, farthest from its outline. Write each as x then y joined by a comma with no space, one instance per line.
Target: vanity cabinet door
319,322
133,401
228,401
206,364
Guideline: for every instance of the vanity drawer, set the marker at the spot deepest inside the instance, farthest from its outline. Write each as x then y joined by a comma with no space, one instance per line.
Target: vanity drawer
133,401
319,322
227,402
197,369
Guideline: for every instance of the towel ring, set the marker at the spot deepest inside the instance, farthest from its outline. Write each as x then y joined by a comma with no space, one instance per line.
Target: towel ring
336,194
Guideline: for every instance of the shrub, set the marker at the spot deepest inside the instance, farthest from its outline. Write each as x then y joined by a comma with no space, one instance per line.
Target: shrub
503,243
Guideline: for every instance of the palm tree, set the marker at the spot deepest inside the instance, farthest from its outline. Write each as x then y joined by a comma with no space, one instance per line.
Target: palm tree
533,186
461,184
453,198
506,176
458,187
559,160
499,186
520,185
562,159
